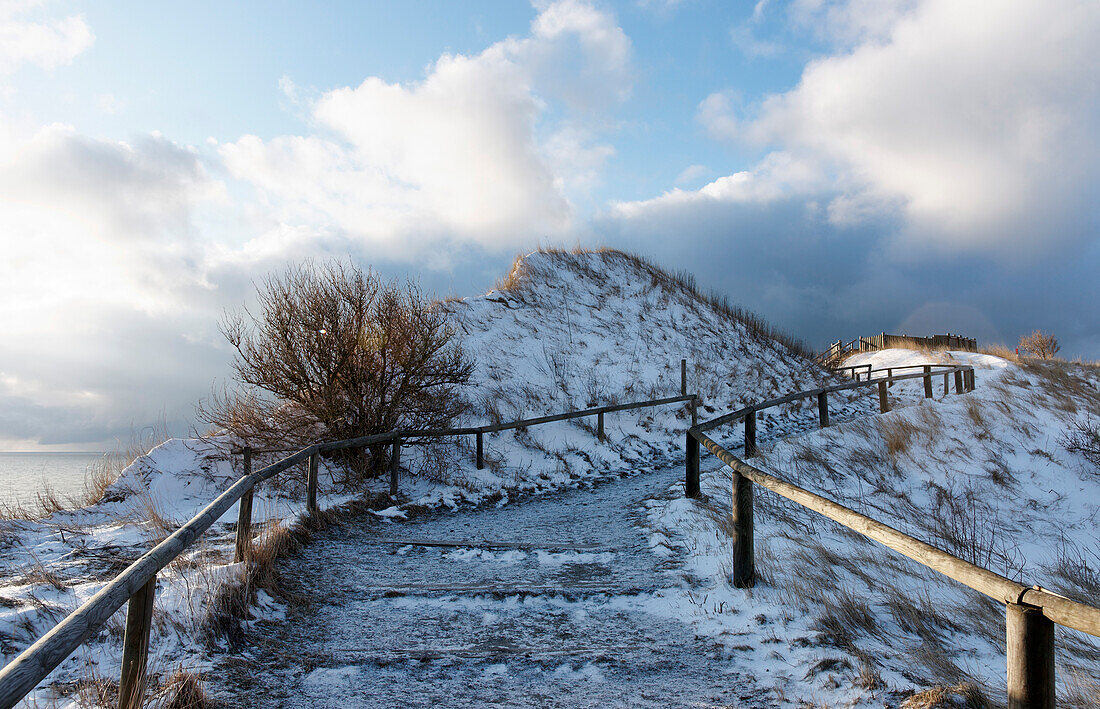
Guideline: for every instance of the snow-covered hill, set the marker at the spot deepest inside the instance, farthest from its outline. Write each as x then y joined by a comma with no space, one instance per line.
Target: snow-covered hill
568,331
983,475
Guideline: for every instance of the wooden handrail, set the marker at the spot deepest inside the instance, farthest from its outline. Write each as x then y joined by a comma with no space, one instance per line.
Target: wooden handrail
471,430
22,674
1031,611
31,666
769,403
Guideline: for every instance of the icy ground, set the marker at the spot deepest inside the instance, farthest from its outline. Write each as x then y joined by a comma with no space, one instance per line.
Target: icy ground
570,599
590,614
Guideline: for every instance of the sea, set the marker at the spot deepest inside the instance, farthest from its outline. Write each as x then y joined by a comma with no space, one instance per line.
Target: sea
24,475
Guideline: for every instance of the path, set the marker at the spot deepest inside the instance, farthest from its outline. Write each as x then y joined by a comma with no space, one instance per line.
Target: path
571,609
410,625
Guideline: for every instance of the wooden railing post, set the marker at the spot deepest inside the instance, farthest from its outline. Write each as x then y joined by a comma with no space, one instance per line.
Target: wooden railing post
958,381
883,404
243,547
691,466
750,433
683,377
1030,640
946,385
599,426
744,563
890,376
311,483
480,451
694,411
973,382
927,381
395,460
135,646
823,409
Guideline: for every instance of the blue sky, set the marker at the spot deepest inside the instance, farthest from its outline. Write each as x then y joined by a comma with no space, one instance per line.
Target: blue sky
840,166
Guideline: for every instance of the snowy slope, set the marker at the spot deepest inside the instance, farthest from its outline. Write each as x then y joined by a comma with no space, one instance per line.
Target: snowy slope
982,475
576,330
570,331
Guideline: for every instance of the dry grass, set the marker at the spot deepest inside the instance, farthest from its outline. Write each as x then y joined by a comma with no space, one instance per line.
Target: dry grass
181,690
1083,436
1080,691
940,697
1000,350
897,434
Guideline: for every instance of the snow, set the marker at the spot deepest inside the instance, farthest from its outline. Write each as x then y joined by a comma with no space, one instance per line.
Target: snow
580,330
981,475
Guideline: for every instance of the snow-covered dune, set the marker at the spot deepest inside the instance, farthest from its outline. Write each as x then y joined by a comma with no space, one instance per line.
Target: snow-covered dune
982,475
570,330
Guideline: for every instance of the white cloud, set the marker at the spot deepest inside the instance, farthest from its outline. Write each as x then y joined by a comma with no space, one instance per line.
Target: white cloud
691,173
778,176
745,38
979,120
716,114
847,22
457,157
46,44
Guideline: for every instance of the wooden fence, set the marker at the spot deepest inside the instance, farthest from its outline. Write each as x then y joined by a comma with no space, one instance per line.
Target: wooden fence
137,583
1031,611
840,349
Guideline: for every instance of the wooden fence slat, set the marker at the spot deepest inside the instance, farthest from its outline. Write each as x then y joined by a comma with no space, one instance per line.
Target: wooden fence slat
135,646
1030,650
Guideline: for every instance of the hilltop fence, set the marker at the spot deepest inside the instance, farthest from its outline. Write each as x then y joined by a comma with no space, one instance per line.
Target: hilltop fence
839,349
1031,612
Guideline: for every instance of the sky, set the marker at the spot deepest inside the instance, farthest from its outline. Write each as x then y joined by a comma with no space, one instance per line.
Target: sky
840,167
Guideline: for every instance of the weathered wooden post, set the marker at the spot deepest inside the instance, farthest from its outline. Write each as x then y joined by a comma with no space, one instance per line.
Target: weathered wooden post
1030,637
480,451
599,426
973,381
744,563
927,381
311,483
691,464
946,384
890,376
823,409
395,460
135,646
958,381
883,404
683,377
243,547
750,433
694,411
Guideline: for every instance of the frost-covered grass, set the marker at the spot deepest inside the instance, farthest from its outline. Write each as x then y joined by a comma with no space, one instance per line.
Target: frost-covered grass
982,476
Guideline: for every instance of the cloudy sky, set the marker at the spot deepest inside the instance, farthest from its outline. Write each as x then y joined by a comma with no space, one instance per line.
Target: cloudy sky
842,168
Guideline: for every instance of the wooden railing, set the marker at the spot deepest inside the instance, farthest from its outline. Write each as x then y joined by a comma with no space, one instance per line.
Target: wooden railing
137,583
1031,611
837,350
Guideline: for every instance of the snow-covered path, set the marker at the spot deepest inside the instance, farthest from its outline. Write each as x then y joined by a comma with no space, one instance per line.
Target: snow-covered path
394,624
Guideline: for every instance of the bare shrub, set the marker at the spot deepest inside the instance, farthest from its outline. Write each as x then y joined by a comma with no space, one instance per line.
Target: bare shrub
1083,436
334,351
1040,344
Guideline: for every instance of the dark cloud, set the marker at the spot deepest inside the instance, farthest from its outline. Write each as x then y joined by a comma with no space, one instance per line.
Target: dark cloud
822,281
